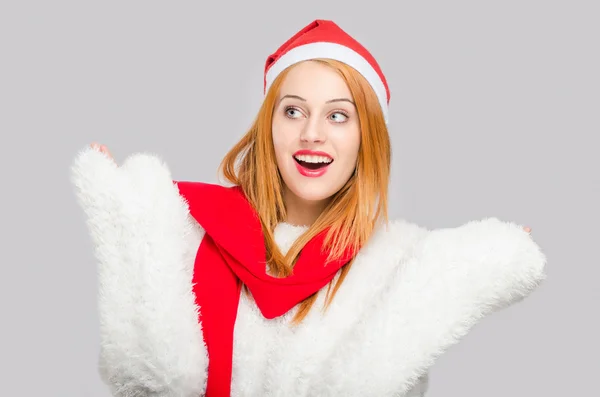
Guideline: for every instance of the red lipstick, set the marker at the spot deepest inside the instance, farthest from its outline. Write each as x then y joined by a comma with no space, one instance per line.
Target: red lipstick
308,169
312,153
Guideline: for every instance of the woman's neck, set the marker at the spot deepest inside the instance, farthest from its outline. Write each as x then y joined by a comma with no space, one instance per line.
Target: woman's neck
301,212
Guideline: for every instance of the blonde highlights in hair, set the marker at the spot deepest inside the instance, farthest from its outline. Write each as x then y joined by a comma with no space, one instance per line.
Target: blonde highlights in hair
351,214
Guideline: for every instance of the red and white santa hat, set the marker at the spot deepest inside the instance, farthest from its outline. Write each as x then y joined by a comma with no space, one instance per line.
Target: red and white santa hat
325,39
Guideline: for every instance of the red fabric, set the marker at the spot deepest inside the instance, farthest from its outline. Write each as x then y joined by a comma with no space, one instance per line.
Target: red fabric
324,31
232,252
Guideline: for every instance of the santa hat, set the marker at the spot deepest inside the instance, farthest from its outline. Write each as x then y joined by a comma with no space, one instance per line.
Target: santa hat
325,39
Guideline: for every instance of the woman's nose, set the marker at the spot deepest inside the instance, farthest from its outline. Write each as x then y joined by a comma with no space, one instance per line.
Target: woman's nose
313,131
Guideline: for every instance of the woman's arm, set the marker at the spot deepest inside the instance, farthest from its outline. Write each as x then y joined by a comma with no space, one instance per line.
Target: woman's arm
452,279
485,264
145,243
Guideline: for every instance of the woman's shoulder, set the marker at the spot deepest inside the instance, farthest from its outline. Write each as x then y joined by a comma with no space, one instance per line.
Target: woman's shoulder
396,235
407,230
474,254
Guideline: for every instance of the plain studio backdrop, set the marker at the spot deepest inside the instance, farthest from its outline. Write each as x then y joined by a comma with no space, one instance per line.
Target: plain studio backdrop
495,111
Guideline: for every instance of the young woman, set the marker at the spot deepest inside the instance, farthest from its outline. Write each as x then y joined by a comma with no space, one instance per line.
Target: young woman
291,281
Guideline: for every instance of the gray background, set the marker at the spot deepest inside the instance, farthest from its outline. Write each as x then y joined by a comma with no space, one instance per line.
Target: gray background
494,112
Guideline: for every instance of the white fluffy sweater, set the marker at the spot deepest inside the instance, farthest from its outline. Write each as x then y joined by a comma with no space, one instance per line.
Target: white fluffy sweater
410,295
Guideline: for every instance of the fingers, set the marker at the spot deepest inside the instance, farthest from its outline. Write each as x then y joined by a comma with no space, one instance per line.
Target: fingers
103,149
91,173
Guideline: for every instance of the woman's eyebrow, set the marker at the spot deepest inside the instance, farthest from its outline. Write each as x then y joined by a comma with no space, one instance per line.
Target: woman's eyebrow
329,101
341,100
292,96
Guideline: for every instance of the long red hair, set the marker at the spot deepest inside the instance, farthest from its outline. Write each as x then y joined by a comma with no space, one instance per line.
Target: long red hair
351,214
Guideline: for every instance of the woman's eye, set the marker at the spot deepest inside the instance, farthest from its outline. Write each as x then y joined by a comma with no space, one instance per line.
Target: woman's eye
292,113
339,117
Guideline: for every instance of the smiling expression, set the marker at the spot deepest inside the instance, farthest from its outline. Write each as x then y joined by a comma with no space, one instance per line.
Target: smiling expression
316,132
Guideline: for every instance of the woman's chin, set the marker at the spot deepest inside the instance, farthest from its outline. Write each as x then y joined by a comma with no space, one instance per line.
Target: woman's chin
313,192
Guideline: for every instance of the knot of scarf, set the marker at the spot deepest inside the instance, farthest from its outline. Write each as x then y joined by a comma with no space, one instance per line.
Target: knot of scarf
232,254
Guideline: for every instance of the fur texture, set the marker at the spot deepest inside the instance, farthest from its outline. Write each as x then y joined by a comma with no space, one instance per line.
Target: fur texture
151,343
411,294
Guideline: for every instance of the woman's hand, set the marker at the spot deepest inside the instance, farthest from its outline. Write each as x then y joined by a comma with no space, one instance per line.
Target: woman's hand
102,149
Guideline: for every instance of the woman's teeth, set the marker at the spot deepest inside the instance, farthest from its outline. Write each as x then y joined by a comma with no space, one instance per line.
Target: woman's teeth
313,162
313,159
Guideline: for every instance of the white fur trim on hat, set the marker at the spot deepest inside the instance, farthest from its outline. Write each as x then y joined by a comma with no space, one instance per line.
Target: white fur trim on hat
332,51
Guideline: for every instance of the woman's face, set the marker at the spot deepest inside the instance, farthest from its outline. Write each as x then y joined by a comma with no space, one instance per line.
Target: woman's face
316,132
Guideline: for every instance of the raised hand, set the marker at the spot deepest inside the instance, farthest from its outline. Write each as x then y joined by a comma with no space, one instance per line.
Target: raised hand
103,149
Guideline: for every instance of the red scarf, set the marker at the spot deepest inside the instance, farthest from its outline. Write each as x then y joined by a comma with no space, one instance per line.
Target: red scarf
233,252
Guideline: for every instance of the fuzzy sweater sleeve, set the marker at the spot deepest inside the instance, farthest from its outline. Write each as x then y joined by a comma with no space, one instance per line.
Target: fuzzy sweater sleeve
144,243
486,264
452,279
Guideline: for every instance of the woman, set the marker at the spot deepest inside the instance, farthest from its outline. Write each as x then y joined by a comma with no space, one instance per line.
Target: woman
292,280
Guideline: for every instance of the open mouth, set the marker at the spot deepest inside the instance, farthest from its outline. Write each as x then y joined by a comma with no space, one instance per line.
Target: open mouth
313,162
311,166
